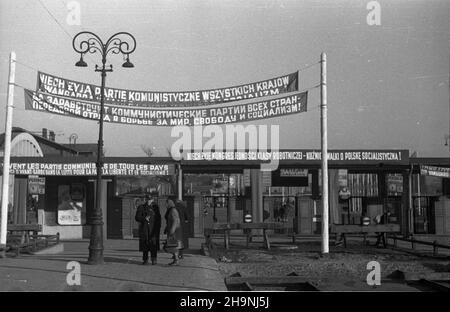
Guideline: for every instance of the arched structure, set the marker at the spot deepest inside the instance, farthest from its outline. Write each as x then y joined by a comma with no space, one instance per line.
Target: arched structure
25,145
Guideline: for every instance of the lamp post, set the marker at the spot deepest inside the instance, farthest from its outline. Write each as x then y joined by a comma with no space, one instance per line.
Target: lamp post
88,42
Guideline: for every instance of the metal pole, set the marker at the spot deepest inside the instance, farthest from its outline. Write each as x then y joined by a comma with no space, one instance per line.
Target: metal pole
180,182
7,153
96,242
410,210
323,119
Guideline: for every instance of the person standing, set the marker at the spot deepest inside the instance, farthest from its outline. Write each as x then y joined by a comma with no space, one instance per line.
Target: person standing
184,220
381,219
173,231
149,220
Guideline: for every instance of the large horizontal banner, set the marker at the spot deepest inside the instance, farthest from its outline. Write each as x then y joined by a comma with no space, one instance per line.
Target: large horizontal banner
287,105
307,156
435,171
54,85
89,169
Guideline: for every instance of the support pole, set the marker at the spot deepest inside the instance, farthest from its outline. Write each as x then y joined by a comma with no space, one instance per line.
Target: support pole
7,153
96,239
323,119
180,182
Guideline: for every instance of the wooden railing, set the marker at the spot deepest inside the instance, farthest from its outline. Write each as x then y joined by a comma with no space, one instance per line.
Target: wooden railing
414,241
247,228
25,236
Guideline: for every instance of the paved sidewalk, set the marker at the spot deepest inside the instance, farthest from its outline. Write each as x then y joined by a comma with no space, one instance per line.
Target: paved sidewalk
122,270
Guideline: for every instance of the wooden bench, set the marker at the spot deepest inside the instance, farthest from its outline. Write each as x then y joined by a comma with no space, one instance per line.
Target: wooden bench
226,228
24,236
380,230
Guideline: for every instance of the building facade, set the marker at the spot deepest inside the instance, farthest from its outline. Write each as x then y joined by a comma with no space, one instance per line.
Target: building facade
54,185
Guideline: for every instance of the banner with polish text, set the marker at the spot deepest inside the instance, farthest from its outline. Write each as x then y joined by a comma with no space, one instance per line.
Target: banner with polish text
435,171
293,104
58,86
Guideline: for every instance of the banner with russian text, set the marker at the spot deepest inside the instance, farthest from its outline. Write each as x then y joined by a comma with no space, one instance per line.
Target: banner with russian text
293,104
58,86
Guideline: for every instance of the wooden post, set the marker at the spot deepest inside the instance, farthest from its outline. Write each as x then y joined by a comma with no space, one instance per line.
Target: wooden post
7,153
323,119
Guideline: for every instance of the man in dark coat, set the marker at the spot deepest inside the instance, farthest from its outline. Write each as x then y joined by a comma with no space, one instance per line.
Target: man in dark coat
149,219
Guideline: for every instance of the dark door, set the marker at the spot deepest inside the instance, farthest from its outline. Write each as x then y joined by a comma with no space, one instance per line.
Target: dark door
20,200
423,215
187,219
305,215
189,225
113,215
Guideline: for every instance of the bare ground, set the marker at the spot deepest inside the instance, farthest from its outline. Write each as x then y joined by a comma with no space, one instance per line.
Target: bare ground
343,269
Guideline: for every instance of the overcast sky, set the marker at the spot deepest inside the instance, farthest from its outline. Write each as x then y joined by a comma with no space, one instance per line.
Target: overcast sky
388,85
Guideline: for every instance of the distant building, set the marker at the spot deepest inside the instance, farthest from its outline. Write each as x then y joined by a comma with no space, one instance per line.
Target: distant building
84,149
28,144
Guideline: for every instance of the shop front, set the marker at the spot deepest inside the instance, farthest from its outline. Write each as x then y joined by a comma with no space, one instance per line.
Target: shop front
362,183
59,193
430,192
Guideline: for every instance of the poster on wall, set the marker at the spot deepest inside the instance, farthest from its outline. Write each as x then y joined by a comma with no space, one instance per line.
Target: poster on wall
54,85
394,184
36,185
69,210
342,178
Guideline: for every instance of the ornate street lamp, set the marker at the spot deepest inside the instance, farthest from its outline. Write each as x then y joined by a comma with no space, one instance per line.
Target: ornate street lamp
88,42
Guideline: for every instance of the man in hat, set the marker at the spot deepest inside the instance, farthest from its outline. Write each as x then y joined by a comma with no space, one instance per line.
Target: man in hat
149,219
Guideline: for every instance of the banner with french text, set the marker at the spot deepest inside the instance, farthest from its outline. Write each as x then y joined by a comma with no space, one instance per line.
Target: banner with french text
89,169
58,86
293,104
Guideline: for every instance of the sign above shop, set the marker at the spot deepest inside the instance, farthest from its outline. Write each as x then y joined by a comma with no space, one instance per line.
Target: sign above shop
307,156
290,177
89,169
435,171
293,172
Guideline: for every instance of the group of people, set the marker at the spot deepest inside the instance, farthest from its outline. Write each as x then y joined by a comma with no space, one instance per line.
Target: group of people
149,218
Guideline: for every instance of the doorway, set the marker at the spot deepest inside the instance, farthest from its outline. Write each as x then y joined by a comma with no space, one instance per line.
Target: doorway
113,214
423,215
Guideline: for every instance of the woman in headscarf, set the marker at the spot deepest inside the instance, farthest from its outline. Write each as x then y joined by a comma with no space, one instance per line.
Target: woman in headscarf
174,231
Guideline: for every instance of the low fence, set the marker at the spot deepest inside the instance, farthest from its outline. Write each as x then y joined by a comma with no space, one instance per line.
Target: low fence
414,242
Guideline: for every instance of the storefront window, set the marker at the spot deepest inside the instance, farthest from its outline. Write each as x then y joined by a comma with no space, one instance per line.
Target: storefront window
426,185
214,184
71,204
363,184
132,186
